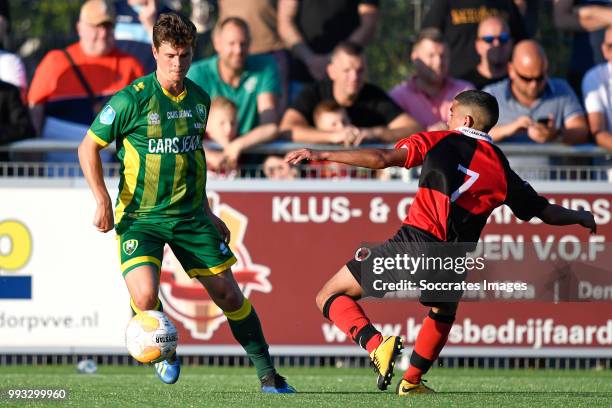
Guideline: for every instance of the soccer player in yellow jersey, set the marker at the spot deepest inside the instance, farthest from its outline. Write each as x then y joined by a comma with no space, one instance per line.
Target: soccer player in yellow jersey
158,123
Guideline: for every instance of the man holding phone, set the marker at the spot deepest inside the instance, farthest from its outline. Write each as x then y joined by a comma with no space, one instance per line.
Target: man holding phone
533,107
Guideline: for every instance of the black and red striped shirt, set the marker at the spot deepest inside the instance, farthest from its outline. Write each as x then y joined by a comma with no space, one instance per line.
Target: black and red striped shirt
463,179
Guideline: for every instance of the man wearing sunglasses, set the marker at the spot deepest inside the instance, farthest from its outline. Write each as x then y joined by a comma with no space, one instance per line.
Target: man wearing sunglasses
533,107
494,47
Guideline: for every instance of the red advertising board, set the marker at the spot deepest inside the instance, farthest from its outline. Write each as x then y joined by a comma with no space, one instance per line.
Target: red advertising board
289,242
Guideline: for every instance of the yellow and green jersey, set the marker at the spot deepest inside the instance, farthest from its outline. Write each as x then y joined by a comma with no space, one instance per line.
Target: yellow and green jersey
159,144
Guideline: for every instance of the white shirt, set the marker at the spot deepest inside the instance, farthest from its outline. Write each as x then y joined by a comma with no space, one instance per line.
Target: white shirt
597,91
12,70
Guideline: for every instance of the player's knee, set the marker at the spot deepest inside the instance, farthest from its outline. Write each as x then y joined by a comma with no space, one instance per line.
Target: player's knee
145,300
229,299
321,299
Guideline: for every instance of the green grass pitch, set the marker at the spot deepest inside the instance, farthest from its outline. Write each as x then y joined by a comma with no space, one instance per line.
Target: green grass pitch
115,386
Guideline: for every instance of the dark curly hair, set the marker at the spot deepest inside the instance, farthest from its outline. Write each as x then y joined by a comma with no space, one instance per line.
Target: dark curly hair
174,29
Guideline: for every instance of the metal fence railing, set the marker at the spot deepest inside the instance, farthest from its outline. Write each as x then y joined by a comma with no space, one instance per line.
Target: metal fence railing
281,147
41,170
27,161
500,362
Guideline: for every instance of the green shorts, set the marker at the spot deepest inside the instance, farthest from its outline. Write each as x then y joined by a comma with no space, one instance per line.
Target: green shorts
195,241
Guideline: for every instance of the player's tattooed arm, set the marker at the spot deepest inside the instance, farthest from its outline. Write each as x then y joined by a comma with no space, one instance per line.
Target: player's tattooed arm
369,158
554,214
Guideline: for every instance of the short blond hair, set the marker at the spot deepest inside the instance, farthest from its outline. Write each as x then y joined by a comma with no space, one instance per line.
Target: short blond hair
221,102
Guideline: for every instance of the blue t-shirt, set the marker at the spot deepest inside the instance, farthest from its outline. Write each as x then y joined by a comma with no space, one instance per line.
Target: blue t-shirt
557,99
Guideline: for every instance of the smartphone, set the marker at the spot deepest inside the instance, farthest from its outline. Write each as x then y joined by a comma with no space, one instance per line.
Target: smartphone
543,121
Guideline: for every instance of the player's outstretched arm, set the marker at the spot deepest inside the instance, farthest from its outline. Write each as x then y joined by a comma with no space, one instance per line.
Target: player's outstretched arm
91,164
555,214
369,158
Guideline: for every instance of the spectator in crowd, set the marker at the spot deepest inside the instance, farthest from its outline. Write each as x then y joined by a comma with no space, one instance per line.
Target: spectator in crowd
261,17
276,168
134,28
74,83
534,108
222,128
329,116
251,82
429,93
596,91
312,29
369,108
14,117
458,21
588,19
494,48
11,66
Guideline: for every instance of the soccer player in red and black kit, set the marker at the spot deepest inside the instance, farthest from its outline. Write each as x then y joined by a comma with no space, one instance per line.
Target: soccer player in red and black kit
463,179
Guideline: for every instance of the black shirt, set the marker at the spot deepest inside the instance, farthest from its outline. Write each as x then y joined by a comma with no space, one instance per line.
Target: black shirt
15,121
463,179
14,115
479,81
458,20
371,108
323,25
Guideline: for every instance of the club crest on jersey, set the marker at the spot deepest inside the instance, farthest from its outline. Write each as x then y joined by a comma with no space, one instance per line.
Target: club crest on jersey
153,118
130,246
107,116
201,110
362,254
250,84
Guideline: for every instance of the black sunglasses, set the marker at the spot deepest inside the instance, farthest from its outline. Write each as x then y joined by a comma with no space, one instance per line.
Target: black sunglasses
537,79
490,39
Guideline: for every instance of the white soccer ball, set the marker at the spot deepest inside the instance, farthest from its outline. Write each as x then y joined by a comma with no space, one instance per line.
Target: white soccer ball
151,337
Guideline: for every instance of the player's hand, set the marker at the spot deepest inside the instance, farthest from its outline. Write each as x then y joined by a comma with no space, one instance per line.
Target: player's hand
587,220
103,219
225,233
296,156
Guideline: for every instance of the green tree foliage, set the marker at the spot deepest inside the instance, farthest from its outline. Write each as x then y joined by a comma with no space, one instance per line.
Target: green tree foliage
389,52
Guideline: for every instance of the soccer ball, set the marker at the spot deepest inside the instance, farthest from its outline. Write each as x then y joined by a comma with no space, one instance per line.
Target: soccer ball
151,337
